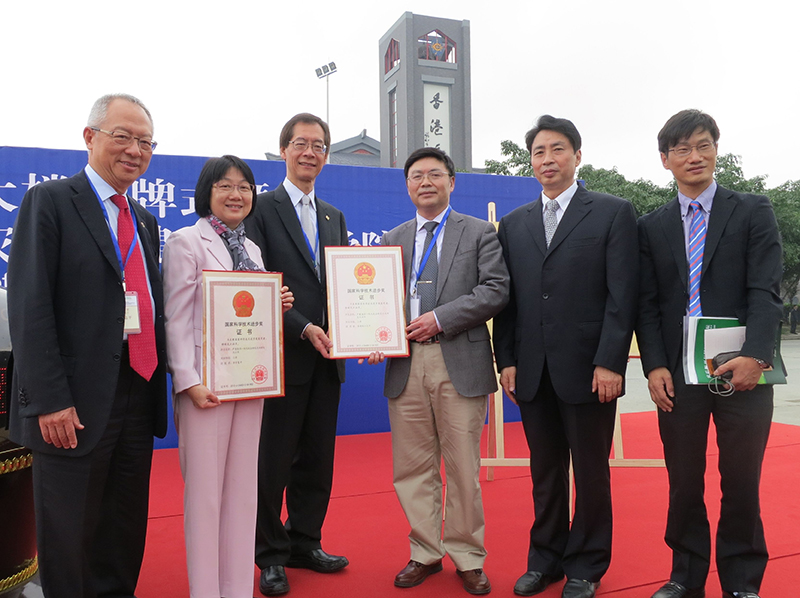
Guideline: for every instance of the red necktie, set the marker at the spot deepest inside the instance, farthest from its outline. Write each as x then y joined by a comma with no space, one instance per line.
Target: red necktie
142,346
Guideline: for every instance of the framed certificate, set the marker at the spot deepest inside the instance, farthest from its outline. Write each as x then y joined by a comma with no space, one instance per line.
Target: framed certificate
366,293
243,334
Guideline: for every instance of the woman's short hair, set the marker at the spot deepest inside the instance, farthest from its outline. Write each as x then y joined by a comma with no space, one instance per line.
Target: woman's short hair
214,170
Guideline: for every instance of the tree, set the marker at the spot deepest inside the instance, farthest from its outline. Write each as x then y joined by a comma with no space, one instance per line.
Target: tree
517,163
647,196
729,174
643,194
786,202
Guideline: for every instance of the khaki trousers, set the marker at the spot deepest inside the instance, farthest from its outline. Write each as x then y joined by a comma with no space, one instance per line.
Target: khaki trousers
430,421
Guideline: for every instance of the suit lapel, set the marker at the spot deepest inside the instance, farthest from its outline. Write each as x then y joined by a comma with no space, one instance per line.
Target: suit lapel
407,237
579,206
215,245
672,226
454,228
288,215
535,224
88,206
721,210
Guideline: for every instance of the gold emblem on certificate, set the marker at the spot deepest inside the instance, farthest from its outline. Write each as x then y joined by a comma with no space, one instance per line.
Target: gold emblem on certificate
365,273
243,334
366,294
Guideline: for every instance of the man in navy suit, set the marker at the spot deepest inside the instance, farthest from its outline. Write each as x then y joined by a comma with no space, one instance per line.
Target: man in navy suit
89,389
561,347
736,271
292,226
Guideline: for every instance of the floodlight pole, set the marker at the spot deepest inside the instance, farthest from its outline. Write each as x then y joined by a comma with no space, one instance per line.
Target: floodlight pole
324,72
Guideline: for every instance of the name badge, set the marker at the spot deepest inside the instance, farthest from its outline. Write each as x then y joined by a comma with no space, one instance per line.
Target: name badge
414,307
132,324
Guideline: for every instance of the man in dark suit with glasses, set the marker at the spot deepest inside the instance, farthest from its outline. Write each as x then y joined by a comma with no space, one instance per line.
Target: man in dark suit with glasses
292,226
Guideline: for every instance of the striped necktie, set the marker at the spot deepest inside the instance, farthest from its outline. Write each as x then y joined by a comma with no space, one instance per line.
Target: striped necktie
697,242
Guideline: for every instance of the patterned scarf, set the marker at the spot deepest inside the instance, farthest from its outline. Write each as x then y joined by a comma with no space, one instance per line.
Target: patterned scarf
235,241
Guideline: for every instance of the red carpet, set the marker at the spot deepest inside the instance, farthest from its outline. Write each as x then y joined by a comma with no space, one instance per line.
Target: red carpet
366,524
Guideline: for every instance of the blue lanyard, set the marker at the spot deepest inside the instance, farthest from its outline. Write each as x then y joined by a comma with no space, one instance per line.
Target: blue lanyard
431,247
135,240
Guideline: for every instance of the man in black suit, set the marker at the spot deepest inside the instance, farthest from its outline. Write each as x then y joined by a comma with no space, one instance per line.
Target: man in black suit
89,388
292,227
739,270
561,347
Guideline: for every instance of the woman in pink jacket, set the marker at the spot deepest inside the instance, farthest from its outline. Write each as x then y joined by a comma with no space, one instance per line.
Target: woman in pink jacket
218,441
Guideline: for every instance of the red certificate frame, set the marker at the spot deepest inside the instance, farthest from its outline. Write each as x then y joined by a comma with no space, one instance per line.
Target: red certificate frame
366,301
243,334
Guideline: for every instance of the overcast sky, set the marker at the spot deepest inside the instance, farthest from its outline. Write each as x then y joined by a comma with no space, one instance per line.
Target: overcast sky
223,77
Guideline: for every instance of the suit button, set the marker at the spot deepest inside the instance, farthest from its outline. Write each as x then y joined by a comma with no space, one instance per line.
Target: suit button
120,320
117,357
545,296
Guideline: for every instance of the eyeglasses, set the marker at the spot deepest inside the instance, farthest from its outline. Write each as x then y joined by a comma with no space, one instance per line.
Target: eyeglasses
244,188
434,176
683,151
122,138
302,144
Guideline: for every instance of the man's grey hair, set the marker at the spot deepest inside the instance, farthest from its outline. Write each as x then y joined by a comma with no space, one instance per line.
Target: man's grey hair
100,108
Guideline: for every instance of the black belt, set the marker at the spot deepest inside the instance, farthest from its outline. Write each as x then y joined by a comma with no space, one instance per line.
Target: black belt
430,341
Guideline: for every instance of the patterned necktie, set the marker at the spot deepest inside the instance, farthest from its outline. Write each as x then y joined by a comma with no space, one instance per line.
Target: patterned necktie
697,242
142,346
306,221
429,277
550,220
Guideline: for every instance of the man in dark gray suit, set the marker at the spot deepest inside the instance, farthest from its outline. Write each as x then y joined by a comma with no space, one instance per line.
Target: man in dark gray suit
562,347
456,280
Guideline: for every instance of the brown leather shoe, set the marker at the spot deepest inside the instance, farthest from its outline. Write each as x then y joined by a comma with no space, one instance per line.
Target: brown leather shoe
415,573
475,581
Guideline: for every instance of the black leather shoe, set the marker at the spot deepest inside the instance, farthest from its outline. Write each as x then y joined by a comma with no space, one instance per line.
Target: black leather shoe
535,582
273,581
579,588
739,595
672,589
415,573
318,560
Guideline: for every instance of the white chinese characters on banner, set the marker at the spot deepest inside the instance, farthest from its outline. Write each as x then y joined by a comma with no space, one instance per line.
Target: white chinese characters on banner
437,116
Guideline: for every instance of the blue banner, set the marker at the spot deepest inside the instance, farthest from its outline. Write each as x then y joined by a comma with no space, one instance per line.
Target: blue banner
373,200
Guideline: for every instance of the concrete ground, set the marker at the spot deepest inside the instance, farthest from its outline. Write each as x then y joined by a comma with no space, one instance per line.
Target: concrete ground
787,396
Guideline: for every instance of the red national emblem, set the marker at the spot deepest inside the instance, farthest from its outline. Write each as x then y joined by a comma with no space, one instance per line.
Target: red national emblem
383,335
259,374
243,303
365,273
